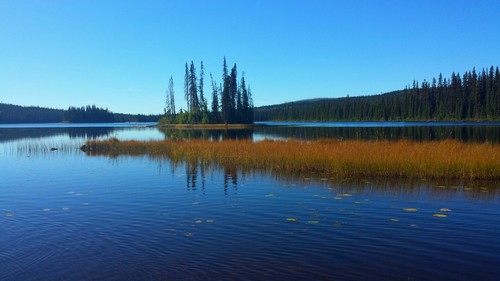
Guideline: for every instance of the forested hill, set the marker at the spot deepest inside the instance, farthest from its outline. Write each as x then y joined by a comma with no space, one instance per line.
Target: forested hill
473,96
15,114
10,114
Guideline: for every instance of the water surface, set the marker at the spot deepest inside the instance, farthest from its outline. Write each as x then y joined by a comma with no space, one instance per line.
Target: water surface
68,216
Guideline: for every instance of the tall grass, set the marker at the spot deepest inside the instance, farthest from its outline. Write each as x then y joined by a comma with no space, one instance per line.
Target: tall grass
335,158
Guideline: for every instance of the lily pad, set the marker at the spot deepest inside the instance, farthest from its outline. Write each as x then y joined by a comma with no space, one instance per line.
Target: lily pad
439,215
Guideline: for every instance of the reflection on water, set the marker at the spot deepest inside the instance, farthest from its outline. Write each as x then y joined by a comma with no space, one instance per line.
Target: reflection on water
212,134
477,132
418,133
198,171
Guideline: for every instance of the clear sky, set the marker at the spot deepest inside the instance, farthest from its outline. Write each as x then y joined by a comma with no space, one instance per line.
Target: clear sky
120,54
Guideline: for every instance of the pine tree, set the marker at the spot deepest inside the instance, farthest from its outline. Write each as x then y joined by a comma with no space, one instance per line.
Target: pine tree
193,89
203,102
186,88
225,95
171,93
233,91
215,101
245,105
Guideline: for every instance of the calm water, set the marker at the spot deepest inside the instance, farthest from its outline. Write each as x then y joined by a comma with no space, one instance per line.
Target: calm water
68,216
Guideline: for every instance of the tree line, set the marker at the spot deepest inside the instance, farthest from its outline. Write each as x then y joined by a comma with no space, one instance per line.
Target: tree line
473,96
90,114
231,100
15,114
94,114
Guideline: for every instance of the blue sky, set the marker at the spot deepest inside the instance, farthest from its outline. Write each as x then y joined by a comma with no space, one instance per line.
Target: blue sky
121,54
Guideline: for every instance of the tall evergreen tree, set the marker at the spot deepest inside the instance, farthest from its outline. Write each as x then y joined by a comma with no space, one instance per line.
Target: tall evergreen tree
168,95
215,101
171,94
186,88
203,101
245,103
225,95
233,91
193,89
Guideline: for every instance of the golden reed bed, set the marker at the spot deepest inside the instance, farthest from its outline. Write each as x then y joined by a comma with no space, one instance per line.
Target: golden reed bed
336,158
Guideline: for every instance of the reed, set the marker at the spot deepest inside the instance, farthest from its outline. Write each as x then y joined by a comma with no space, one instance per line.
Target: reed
448,159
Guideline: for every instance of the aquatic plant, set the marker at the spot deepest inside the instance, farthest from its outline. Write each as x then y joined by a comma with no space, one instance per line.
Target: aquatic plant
332,158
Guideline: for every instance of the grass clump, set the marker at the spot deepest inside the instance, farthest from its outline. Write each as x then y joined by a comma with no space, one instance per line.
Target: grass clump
336,158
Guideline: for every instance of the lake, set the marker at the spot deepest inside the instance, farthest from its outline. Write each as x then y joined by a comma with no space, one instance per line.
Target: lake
68,216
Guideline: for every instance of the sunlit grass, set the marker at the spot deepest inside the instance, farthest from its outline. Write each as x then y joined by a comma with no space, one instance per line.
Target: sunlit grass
330,157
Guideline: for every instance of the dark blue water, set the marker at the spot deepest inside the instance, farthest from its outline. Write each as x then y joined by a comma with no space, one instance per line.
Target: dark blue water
67,216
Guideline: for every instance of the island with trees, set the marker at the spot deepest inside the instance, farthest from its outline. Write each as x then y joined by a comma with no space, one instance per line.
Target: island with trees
231,100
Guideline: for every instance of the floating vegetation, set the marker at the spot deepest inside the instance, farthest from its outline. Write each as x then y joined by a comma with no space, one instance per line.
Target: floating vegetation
439,215
291,219
270,195
330,158
198,221
312,222
410,209
445,210
395,220
9,214
210,221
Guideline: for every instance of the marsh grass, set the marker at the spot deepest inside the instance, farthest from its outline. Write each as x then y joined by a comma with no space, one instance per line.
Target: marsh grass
36,147
448,159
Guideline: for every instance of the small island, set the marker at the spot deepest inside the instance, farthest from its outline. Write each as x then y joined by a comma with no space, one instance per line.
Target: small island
231,106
